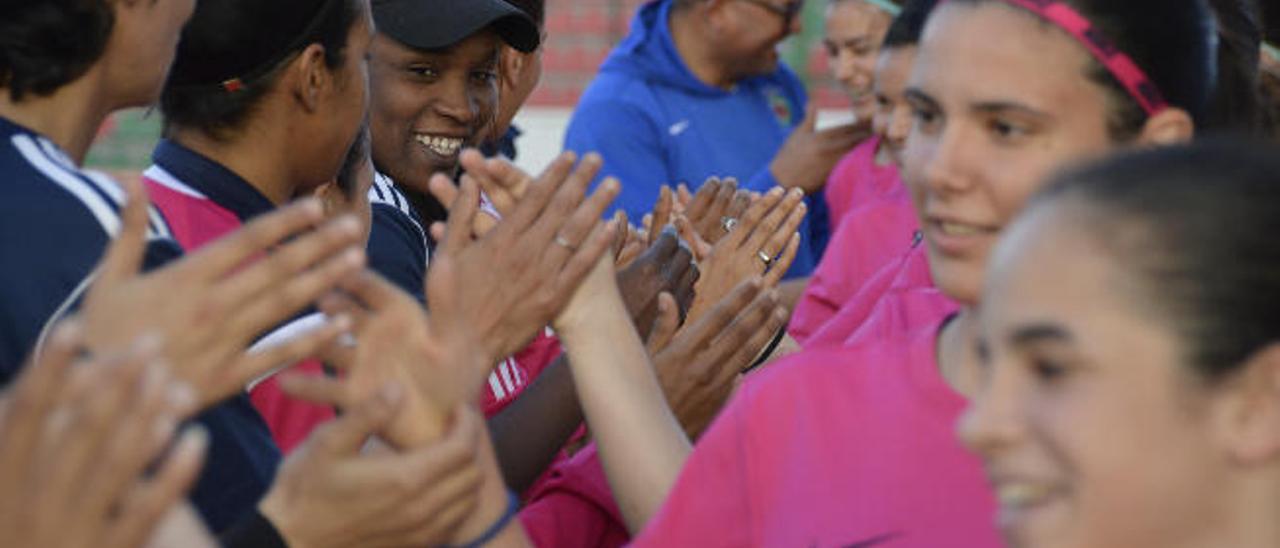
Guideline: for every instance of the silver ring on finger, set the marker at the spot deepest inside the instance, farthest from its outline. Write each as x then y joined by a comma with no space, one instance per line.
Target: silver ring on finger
562,242
765,257
728,223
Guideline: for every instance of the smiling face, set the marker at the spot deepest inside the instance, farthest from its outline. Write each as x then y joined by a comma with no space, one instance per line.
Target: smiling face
428,106
892,120
1093,431
854,31
1001,101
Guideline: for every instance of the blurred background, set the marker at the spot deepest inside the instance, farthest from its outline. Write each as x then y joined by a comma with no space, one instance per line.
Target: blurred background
580,34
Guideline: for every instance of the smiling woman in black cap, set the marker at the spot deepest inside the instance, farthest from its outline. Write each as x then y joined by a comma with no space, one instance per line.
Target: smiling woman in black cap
434,70
433,73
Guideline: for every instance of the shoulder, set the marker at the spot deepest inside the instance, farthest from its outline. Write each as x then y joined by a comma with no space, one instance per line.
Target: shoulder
390,206
615,100
805,378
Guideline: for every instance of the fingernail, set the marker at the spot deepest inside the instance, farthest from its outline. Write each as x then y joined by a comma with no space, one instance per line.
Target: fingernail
342,322
775,191
148,345
390,393
164,427
181,396
311,206
347,224
353,257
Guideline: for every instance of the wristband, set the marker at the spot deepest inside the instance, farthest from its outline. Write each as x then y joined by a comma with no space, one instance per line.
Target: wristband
253,531
768,350
513,507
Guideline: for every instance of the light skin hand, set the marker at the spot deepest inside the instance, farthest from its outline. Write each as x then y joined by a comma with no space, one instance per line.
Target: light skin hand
510,283
768,226
808,155
77,438
641,444
233,290
329,493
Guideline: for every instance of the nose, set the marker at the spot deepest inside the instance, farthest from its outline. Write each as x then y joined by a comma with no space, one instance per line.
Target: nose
944,161
993,421
899,124
845,66
455,102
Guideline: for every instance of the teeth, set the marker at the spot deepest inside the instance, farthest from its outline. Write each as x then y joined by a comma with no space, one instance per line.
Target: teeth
956,229
444,146
1021,494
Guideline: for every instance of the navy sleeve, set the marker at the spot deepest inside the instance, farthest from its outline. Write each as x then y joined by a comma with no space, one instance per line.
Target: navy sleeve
397,250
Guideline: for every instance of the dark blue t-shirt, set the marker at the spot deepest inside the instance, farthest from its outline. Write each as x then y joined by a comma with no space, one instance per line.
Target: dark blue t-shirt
55,223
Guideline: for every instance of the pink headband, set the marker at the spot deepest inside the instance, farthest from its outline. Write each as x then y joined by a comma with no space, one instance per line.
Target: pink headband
1120,65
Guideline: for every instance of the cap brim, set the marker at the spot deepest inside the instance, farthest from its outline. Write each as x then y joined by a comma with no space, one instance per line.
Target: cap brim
433,24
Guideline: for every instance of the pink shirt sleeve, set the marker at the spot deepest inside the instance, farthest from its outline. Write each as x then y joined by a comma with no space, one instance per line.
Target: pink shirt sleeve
574,507
709,504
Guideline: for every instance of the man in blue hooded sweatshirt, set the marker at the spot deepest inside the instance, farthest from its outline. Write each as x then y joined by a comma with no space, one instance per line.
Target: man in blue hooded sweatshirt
697,90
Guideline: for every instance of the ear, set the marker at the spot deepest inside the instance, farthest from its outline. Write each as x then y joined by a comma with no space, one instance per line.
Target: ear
512,63
1251,412
1170,126
330,196
312,79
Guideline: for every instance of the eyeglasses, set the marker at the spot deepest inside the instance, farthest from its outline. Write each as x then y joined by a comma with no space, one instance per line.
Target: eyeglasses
788,12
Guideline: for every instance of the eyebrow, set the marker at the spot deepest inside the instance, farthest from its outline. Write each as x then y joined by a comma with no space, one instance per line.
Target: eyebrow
1037,333
916,94
1006,107
855,41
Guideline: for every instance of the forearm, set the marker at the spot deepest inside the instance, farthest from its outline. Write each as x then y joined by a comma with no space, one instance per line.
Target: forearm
529,432
642,446
492,507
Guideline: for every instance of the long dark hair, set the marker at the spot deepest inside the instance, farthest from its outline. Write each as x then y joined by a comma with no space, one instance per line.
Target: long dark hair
232,50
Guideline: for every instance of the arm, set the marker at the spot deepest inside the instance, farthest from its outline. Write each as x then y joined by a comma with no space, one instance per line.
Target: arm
529,432
710,503
641,443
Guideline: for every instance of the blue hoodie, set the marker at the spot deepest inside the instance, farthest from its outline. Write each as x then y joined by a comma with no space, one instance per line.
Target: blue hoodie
655,123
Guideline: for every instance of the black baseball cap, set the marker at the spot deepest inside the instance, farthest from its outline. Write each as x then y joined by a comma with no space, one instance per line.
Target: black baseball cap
438,24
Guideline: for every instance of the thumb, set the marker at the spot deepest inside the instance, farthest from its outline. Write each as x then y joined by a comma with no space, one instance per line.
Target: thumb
347,434
810,122
665,324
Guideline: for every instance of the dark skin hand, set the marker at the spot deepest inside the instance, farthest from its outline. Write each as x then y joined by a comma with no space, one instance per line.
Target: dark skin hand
698,365
665,267
529,432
